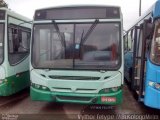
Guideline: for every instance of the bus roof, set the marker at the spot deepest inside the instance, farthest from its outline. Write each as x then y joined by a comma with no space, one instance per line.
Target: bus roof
12,13
77,6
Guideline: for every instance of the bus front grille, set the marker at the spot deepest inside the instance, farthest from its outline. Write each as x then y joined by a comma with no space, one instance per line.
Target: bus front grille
74,77
78,90
74,98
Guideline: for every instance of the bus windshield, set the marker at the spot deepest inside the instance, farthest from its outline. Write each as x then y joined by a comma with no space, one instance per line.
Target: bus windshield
1,42
94,45
155,48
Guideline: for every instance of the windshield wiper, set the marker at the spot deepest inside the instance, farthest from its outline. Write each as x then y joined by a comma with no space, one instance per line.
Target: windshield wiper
59,34
83,39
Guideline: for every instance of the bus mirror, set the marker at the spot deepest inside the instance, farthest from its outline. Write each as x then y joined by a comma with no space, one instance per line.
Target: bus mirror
149,30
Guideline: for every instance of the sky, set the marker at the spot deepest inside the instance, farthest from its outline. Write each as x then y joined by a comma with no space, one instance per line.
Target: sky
130,8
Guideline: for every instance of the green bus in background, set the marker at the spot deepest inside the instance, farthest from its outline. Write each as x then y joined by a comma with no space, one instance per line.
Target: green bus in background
14,52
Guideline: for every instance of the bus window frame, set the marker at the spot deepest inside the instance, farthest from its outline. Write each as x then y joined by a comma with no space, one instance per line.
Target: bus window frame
126,43
3,42
129,44
27,53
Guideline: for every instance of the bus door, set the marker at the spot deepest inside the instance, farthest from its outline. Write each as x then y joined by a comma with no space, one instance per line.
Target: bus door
128,56
18,52
139,60
136,58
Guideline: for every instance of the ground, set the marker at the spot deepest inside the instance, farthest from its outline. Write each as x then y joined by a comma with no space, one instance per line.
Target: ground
20,106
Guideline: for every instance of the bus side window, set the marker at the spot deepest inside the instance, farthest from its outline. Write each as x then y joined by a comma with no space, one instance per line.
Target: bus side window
19,39
12,40
129,41
125,43
24,40
132,40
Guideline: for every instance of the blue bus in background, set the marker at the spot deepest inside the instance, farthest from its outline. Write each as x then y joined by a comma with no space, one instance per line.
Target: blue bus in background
142,57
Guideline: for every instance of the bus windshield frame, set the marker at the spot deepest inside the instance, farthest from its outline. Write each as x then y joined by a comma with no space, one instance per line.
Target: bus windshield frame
1,43
79,31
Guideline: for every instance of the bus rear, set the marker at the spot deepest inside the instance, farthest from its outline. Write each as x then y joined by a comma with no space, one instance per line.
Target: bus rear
77,55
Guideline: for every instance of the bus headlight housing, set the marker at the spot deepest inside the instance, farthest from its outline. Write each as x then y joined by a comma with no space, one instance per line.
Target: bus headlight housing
157,86
151,83
154,84
105,90
40,87
109,90
114,89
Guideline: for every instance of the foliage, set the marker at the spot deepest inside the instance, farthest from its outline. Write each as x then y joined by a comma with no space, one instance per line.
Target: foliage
3,4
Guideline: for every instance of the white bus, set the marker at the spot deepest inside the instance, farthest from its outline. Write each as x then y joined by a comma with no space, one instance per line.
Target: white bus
15,31
77,55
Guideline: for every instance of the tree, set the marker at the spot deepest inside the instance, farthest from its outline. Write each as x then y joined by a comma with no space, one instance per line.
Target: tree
3,4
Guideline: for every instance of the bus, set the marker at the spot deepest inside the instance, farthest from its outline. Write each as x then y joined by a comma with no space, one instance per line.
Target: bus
142,57
15,34
77,55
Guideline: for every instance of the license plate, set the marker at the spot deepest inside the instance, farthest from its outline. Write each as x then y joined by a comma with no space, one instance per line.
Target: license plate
108,99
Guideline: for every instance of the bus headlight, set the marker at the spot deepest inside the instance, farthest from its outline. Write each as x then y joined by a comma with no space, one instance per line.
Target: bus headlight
106,90
157,86
44,88
114,89
37,86
154,84
109,90
151,83
40,87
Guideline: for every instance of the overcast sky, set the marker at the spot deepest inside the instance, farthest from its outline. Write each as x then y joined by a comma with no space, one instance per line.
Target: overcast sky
130,8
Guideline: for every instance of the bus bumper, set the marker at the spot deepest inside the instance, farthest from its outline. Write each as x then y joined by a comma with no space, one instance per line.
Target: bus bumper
108,98
152,97
13,84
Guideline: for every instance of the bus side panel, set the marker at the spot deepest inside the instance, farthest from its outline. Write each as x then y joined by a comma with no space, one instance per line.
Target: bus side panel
17,76
152,95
